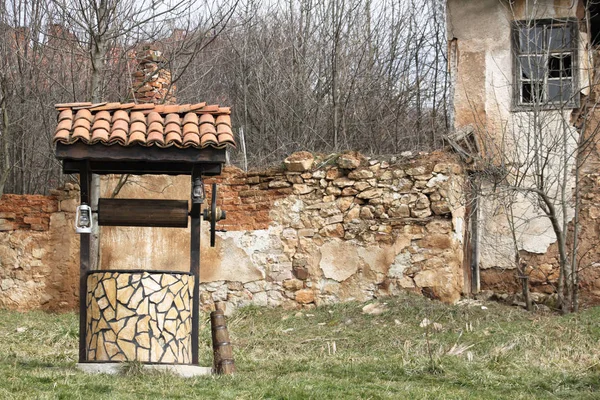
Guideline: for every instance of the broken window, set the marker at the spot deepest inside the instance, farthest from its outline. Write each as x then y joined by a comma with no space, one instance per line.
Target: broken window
545,60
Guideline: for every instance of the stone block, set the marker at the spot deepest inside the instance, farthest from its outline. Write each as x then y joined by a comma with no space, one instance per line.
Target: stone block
293,284
441,207
361,174
299,162
351,160
335,230
333,173
370,194
305,296
279,184
302,189
343,182
6,226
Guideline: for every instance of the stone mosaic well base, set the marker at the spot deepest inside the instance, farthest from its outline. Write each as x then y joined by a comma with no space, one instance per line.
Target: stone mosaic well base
140,316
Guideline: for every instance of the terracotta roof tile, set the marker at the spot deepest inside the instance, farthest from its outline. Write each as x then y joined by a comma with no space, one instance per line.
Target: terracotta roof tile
192,139
223,119
65,124
206,129
120,115
208,140
79,133
118,136
143,107
99,135
82,123
136,137
65,114
127,124
190,118
62,135
120,125
84,114
190,128
155,137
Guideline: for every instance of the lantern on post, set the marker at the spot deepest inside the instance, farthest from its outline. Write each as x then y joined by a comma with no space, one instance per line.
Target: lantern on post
198,193
83,219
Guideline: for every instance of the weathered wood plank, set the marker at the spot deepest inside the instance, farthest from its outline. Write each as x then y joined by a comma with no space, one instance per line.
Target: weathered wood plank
143,212
141,168
100,152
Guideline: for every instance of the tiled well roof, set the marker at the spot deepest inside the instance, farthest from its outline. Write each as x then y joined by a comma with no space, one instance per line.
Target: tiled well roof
190,125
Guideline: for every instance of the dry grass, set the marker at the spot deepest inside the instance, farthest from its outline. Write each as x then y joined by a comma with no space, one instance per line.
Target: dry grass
465,352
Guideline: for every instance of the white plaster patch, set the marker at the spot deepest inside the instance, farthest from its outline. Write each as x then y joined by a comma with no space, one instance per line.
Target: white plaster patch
436,180
401,262
458,233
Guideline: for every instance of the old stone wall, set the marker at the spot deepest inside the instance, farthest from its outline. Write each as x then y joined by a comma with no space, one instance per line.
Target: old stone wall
342,228
316,230
39,251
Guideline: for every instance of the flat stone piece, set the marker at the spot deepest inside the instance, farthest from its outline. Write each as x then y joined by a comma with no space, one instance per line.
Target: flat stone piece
124,294
143,307
103,303
172,313
95,311
128,349
111,349
143,324
110,287
166,303
143,340
157,297
150,285
176,287
123,312
168,280
156,351
137,297
123,280
179,303
171,326
128,331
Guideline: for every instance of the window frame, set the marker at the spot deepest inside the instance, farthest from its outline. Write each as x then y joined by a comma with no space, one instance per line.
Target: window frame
574,101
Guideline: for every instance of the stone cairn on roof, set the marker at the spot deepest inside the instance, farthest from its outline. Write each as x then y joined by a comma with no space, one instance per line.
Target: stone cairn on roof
151,79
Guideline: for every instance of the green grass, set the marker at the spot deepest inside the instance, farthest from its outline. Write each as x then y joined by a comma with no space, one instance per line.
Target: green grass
499,353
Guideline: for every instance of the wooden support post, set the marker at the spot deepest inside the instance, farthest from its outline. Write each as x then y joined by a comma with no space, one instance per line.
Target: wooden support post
195,269
85,177
222,350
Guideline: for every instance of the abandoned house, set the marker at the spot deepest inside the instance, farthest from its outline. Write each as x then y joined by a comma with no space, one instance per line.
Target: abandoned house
525,115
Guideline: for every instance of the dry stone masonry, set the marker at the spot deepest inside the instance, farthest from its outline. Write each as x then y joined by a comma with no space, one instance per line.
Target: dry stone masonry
317,230
139,316
329,229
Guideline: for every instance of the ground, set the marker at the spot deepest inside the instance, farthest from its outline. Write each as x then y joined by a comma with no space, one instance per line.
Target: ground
471,350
